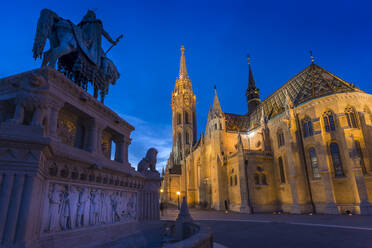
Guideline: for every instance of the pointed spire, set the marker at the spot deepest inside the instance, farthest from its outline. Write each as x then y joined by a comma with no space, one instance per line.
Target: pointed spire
183,70
252,93
251,83
216,103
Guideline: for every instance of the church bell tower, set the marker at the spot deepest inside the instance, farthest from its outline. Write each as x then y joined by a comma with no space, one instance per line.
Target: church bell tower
183,114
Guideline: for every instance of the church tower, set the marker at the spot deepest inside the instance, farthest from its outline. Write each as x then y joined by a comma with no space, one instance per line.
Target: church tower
252,93
183,114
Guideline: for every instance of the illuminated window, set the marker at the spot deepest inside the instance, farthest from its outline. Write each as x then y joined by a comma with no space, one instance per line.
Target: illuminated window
308,127
329,122
281,170
351,118
336,160
314,163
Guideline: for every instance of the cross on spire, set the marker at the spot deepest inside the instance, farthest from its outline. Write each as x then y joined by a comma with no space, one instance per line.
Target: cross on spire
311,57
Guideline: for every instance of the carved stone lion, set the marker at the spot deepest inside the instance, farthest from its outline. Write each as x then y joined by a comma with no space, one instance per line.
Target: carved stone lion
148,162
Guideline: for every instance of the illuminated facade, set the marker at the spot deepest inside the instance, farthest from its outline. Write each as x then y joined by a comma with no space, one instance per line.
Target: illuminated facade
305,148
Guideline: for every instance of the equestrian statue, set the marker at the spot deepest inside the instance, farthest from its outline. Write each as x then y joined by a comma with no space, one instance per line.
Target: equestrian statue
76,50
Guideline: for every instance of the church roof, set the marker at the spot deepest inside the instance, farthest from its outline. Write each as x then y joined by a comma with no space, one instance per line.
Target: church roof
310,83
234,122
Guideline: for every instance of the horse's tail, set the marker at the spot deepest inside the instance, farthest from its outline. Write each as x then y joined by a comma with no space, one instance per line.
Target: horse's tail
44,28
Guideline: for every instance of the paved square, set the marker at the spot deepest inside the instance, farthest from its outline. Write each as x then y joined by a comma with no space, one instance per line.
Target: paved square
236,230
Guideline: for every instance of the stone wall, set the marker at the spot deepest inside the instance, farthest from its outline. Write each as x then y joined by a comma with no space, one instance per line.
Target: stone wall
62,182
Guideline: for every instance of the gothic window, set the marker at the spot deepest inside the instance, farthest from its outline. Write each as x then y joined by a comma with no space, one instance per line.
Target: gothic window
329,122
256,179
263,179
179,141
215,126
260,176
336,160
186,117
236,180
351,118
178,118
360,155
231,181
280,136
187,138
314,163
308,127
281,170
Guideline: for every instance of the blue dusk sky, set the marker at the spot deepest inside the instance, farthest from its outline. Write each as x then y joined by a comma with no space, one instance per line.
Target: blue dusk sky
217,36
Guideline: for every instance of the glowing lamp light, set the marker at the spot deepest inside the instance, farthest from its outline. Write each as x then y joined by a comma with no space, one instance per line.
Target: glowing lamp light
178,193
161,190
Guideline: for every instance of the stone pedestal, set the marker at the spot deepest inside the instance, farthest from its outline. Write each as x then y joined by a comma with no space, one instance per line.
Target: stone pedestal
58,190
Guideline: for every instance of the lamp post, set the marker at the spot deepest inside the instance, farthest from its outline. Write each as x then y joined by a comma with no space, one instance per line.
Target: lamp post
178,200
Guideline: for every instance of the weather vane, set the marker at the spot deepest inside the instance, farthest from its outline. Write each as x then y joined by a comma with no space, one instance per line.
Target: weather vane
249,59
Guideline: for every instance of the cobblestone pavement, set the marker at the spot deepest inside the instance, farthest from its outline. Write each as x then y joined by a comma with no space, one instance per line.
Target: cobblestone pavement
269,230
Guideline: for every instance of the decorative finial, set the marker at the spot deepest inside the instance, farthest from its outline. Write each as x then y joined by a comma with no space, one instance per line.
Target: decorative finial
249,59
182,49
215,87
311,57
183,70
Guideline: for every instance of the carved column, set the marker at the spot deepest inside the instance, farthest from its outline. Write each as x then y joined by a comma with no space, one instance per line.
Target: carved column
37,117
54,108
18,114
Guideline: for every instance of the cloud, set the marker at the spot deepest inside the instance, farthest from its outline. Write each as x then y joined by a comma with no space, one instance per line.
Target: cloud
147,135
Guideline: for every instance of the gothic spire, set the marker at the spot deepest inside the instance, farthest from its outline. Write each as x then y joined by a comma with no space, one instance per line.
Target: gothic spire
252,93
251,83
216,103
183,70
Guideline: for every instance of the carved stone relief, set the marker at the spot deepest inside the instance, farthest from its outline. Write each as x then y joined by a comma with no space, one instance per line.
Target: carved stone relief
73,206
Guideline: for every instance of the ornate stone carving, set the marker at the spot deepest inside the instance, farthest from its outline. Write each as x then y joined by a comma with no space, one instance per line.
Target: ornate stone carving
73,206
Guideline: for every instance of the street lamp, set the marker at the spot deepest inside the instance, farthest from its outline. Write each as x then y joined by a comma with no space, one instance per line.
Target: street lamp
178,200
161,190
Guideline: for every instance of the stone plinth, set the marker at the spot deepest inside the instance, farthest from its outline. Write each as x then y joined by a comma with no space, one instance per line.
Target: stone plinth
62,182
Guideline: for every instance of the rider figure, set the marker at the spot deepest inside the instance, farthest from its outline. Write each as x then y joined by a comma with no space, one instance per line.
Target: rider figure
92,30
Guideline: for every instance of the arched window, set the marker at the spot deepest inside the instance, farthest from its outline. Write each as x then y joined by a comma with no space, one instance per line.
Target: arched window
186,117
360,155
351,118
187,138
263,179
280,137
178,118
281,170
308,127
336,160
236,179
314,163
179,141
329,122
256,179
